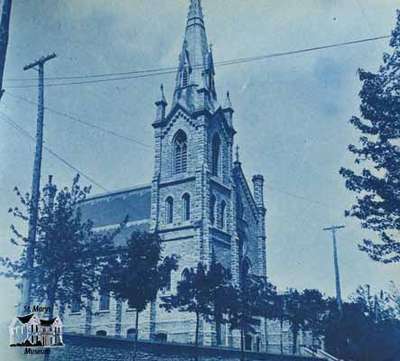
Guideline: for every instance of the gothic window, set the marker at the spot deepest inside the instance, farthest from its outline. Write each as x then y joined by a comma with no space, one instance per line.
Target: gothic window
215,155
213,202
180,152
245,269
76,304
104,301
222,215
169,210
186,207
185,274
168,281
248,340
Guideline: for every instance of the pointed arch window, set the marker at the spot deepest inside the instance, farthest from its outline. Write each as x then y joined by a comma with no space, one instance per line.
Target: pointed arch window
186,207
169,210
222,215
213,202
180,152
104,301
215,155
185,274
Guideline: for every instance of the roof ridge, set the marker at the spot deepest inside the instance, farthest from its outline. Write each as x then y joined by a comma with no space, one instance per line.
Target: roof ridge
118,191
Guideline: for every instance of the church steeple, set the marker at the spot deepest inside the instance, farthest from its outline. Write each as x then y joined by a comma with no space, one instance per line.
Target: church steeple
195,76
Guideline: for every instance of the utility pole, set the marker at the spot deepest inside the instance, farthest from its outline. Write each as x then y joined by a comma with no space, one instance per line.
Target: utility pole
4,30
37,164
333,229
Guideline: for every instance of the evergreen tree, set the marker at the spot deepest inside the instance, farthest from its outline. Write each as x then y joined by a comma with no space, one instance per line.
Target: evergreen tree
138,271
378,182
68,253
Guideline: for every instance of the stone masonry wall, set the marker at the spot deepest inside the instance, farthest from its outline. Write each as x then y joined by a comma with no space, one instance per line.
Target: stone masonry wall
91,348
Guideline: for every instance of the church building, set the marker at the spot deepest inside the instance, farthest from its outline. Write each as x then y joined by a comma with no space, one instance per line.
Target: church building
199,202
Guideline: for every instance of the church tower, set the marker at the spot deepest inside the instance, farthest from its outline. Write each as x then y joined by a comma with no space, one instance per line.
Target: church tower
197,189
192,186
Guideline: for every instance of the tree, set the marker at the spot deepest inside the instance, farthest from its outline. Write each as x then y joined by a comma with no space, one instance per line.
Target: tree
246,306
270,305
358,336
68,253
377,184
394,297
378,307
302,311
137,271
201,291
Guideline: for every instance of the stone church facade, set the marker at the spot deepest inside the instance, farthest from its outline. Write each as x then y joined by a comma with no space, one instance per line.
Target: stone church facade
198,201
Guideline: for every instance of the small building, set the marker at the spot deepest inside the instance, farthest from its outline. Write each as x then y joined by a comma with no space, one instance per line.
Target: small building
30,330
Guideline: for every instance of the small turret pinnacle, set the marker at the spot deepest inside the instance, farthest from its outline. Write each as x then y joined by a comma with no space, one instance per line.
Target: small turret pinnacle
162,99
227,103
161,105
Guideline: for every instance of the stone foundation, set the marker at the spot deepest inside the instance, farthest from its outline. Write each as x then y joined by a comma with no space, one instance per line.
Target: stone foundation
94,348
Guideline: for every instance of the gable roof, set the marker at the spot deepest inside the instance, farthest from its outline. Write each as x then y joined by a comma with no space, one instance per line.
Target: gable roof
241,180
112,208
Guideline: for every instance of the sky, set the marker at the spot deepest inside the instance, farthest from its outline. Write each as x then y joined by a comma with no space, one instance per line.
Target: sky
291,113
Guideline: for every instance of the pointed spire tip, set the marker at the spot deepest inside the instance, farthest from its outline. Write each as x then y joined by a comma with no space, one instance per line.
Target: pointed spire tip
162,97
228,103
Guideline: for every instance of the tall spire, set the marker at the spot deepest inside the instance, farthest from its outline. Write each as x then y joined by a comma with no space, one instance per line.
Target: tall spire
196,67
195,11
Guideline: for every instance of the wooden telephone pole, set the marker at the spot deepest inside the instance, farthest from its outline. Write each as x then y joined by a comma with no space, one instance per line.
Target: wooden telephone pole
37,165
4,30
333,229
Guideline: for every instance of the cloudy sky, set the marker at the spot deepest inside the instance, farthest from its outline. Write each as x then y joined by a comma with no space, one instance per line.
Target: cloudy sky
291,113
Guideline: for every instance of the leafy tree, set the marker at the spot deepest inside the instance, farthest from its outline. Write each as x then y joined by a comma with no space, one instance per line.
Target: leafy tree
270,306
378,307
138,271
68,253
394,297
377,183
302,311
246,307
279,314
202,291
358,336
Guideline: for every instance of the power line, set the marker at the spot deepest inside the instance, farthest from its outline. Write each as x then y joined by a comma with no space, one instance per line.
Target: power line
49,150
297,196
289,194
79,120
135,74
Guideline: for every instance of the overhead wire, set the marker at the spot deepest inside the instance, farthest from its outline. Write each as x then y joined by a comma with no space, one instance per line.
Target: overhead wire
135,74
24,132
